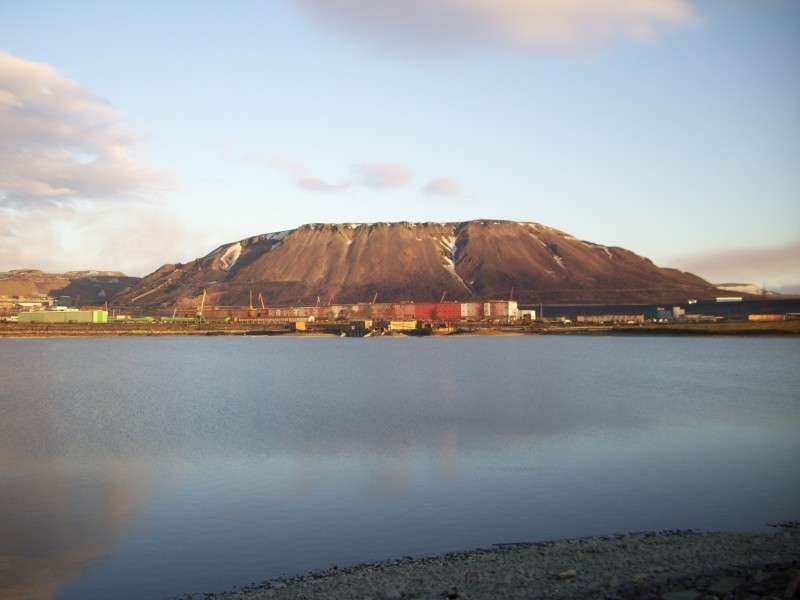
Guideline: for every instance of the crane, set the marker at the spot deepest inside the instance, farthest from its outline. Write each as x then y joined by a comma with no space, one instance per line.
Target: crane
251,298
202,305
261,299
444,295
375,297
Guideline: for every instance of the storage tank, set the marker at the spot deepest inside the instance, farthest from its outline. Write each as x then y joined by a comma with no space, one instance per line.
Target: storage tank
471,311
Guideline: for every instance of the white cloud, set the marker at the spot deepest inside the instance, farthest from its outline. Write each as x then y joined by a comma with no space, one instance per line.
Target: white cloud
459,26
59,141
130,237
442,186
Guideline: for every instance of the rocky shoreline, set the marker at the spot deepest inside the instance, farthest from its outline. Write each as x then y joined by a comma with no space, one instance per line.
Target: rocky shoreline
668,565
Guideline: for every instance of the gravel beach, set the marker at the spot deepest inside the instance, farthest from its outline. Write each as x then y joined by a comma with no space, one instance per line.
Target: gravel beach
671,565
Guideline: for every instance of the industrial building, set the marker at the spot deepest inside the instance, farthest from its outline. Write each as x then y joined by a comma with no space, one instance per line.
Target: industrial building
63,316
613,319
426,312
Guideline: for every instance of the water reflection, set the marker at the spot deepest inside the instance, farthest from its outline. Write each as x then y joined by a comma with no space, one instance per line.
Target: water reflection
58,519
180,465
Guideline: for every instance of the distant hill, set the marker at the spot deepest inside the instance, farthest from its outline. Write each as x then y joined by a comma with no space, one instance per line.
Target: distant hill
415,261
746,288
85,287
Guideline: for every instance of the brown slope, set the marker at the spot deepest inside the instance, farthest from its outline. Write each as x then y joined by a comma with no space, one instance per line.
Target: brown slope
415,261
85,287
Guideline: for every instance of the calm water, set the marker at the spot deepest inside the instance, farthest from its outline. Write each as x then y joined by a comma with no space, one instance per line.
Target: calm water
146,468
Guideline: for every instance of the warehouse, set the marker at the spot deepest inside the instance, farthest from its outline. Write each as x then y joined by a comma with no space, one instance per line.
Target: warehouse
613,319
64,316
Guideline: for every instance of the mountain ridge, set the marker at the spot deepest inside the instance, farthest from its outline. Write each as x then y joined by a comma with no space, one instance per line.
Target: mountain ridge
88,286
415,261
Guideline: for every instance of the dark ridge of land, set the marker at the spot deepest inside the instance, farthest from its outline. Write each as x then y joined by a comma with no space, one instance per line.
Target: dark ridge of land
674,565
727,328
52,330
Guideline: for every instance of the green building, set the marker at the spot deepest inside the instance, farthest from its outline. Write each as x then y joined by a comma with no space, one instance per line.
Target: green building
63,316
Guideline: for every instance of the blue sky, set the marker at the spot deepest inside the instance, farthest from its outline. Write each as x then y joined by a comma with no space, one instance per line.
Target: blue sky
672,130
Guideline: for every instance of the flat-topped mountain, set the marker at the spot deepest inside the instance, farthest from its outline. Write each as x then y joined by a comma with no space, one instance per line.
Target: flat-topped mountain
480,259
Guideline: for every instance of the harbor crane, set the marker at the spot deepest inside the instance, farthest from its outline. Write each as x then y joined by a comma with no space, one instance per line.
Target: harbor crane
202,306
444,295
261,299
374,298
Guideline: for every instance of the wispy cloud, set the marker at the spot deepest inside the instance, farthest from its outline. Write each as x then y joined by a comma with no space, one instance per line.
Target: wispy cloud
59,141
442,27
442,186
774,265
315,184
379,176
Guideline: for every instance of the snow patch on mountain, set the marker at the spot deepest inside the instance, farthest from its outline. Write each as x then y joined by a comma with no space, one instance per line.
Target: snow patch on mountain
449,255
230,256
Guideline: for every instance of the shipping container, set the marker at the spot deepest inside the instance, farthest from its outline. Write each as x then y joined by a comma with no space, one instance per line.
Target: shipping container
403,311
448,311
382,311
766,318
425,311
404,325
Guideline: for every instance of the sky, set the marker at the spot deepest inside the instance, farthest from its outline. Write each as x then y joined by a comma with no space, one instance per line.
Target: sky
134,134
